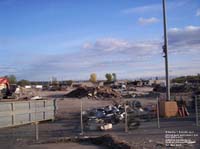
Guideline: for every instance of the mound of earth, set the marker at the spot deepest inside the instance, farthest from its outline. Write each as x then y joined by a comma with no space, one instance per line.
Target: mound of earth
94,92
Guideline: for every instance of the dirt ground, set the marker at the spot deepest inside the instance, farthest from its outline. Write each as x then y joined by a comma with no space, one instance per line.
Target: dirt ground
67,124
61,146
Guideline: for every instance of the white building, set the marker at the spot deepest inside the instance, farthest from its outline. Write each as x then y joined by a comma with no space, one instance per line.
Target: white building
157,82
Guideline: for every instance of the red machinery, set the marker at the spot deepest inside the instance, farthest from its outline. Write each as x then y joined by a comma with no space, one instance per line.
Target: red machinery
4,88
4,81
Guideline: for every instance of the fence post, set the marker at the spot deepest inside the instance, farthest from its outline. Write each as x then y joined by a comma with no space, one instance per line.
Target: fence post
126,121
196,109
13,113
158,113
36,131
55,107
81,117
36,125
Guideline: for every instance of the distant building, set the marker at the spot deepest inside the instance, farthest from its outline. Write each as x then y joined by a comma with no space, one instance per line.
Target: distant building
38,86
138,83
28,86
157,82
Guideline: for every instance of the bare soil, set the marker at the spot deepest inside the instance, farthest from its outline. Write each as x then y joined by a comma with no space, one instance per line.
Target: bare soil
61,146
67,124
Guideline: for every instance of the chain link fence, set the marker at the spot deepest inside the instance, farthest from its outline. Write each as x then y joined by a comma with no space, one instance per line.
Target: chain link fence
92,117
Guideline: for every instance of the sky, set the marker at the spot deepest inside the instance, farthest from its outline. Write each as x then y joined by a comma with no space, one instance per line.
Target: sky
70,39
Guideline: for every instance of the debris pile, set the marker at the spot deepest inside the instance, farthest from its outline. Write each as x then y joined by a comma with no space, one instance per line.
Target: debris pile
94,92
105,118
80,92
106,92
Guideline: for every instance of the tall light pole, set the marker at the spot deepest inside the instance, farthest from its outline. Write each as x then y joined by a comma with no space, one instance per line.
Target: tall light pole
165,50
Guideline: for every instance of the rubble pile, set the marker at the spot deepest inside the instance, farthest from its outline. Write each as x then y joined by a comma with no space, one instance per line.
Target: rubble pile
100,117
80,92
106,117
94,92
107,92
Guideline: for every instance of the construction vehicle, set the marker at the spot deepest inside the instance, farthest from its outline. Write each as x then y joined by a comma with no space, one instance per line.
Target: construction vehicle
7,90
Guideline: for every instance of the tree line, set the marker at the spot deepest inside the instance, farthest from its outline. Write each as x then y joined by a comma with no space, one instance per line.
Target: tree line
110,77
13,80
189,79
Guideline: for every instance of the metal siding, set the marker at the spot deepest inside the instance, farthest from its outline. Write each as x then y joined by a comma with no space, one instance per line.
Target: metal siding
5,121
5,113
21,106
24,112
5,107
21,118
49,114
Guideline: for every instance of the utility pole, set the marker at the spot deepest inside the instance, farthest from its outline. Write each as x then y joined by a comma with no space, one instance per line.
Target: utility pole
165,51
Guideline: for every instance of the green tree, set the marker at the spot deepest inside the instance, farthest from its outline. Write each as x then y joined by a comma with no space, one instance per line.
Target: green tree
93,78
109,77
23,82
12,79
114,77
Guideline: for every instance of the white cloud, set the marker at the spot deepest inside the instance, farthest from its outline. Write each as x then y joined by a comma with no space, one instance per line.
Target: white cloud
181,40
112,45
128,59
174,29
187,29
198,12
184,40
191,28
145,21
107,44
157,7
142,9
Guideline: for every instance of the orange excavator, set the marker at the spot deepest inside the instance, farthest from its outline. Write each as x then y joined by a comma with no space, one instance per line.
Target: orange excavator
6,90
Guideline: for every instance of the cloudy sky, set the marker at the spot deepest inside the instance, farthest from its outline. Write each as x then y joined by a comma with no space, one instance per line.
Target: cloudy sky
70,39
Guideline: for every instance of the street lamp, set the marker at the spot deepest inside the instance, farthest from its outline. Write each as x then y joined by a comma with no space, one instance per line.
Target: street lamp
165,51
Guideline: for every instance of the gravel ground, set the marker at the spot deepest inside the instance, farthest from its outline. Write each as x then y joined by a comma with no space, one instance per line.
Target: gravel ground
60,145
67,124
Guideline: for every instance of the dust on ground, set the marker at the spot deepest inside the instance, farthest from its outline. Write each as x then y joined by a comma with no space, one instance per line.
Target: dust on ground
61,146
67,124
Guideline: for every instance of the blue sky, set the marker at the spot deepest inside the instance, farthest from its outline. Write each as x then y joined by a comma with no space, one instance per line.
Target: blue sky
70,39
